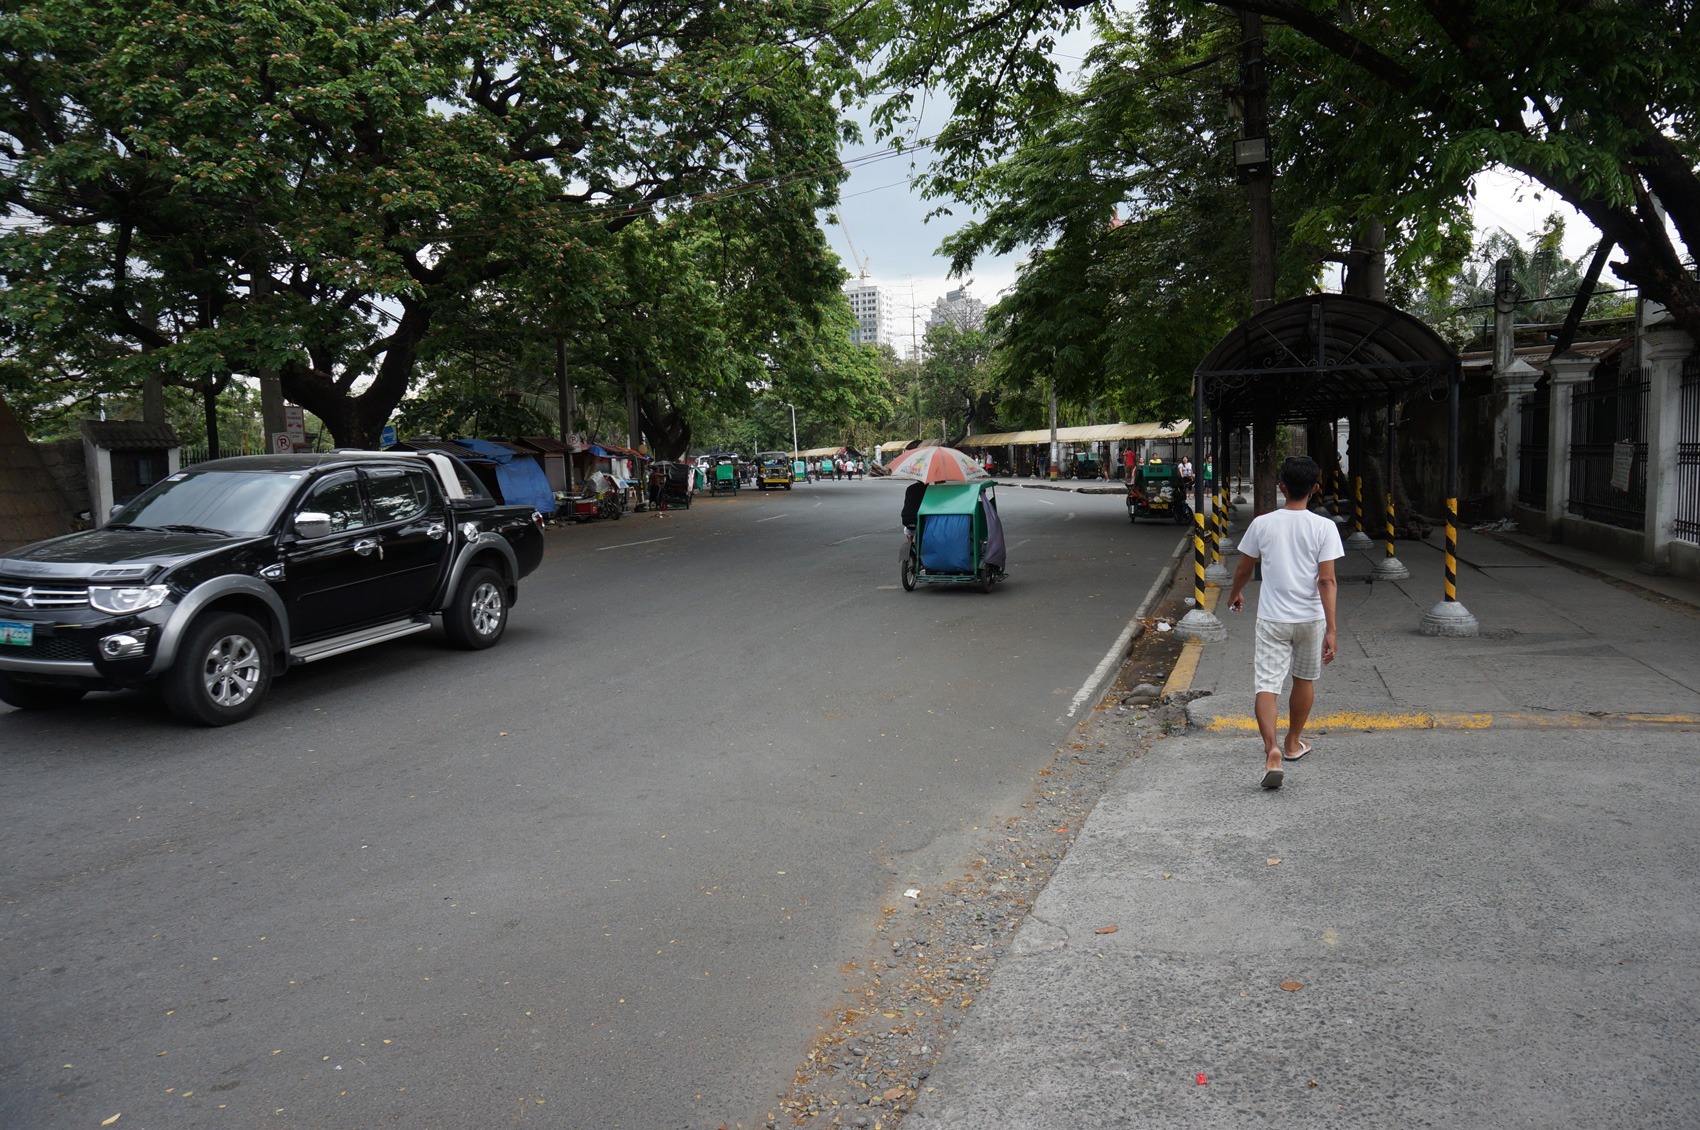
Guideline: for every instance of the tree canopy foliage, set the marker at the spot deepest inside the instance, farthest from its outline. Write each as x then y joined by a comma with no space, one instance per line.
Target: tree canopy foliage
1380,111
199,188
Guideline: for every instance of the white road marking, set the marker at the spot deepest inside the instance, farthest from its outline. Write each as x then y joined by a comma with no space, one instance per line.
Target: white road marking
1046,501
759,521
624,544
1118,650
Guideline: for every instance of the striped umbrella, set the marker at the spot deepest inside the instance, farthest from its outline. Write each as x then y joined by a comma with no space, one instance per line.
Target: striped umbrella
938,465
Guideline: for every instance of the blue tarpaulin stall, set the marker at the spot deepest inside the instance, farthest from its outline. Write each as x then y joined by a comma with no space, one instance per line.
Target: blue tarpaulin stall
521,479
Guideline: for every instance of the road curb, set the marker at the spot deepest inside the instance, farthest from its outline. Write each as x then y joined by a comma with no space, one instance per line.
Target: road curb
1060,487
1110,666
1436,720
1185,669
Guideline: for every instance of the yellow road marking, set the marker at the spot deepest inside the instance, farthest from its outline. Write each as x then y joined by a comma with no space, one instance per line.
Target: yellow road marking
1436,720
1186,667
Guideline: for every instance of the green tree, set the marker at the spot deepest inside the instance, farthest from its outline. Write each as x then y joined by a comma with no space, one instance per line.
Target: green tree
1387,111
957,378
304,185
1119,183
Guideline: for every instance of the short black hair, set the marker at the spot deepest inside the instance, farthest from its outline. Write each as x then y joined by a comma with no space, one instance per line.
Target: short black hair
1299,474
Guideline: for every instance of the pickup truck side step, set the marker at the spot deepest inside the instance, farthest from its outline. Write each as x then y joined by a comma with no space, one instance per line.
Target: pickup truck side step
352,641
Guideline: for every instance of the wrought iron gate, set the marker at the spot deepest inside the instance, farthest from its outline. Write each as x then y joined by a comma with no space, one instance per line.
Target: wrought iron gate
1607,411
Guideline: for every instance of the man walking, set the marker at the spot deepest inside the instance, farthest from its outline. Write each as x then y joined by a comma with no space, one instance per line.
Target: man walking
1295,609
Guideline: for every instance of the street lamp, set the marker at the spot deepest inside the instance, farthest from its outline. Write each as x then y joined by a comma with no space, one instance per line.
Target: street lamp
793,408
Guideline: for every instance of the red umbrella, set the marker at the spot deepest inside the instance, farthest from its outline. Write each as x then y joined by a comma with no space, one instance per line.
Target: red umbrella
938,465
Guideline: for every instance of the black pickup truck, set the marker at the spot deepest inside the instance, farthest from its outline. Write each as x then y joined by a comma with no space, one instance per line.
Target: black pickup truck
227,572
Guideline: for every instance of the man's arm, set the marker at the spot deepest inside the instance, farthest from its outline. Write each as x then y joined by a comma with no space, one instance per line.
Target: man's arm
1326,588
1242,574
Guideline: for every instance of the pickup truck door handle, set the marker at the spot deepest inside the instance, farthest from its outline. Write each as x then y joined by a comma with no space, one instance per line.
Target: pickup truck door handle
436,530
365,546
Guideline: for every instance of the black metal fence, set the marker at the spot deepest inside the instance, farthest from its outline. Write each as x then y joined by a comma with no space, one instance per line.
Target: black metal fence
192,453
1535,414
1606,412
1687,520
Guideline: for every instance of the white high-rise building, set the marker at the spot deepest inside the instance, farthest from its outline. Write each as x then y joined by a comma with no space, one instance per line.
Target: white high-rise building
873,314
960,309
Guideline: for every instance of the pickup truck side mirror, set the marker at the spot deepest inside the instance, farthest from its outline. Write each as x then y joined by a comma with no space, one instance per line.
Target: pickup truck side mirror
309,524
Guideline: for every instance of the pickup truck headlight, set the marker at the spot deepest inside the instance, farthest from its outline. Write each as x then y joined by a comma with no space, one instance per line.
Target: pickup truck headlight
120,600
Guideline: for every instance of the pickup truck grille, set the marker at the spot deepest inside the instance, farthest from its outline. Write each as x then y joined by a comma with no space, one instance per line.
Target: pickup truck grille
16,593
79,648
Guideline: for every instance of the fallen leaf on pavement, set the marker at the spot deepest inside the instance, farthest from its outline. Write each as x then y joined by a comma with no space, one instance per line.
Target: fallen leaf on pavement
1272,862
1292,986
113,1119
1106,929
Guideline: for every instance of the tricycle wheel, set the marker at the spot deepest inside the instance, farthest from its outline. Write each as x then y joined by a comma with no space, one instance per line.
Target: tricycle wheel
1182,513
987,576
908,575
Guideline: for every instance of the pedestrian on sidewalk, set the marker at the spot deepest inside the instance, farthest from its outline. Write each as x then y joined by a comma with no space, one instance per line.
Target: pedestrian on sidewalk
1295,609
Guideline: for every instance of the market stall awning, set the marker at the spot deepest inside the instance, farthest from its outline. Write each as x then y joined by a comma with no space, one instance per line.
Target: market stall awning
1088,433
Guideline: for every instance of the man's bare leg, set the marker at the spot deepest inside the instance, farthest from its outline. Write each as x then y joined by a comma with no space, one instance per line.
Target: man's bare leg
1298,712
1265,711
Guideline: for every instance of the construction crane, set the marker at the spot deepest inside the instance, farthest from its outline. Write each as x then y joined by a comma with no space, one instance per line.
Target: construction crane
861,263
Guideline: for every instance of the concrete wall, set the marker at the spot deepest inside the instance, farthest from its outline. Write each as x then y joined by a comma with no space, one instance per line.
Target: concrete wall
1597,537
31,505
64,461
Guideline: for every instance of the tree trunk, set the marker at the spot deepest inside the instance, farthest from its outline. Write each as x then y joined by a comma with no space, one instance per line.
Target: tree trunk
358,421
668,430
1366,262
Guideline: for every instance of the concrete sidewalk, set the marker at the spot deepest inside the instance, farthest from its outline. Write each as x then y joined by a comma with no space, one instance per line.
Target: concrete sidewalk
1475,904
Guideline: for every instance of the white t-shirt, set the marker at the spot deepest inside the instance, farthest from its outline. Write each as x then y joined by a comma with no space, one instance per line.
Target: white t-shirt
1290,544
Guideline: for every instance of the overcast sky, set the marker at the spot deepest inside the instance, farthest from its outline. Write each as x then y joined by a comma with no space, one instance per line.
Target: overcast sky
887,219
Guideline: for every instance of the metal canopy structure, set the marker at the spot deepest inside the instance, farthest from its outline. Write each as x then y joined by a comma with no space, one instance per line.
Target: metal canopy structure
1324,356
1321,355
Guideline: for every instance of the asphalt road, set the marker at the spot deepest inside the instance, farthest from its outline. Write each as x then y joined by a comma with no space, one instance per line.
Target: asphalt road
603,875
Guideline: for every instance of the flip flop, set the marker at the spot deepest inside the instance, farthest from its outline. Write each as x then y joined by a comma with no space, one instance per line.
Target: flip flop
1272,778
1304,748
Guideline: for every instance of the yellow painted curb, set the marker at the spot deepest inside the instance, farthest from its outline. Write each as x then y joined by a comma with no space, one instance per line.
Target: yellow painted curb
1426,720
1186,667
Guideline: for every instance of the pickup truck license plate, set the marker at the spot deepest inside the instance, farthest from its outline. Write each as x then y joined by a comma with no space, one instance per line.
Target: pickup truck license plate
20,635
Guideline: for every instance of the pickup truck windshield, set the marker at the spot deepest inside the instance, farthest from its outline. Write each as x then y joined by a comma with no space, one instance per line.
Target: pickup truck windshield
234,502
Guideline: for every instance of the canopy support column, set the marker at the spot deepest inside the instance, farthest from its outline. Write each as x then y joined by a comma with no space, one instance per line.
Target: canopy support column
1217,573
1390,568
1224,475
1449,618
1199,623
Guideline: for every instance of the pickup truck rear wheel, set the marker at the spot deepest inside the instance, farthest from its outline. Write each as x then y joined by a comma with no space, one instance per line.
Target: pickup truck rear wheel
36,696
478,615
222,672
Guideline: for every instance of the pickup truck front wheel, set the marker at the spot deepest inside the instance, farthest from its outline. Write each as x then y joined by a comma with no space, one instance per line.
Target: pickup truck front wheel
36,696
478,615
222,672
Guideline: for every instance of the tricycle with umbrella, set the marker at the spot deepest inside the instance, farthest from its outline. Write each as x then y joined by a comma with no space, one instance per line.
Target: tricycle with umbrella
958,537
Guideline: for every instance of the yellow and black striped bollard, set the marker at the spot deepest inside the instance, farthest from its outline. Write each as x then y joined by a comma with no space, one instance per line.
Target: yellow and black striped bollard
1390,567
1452,549
1198,558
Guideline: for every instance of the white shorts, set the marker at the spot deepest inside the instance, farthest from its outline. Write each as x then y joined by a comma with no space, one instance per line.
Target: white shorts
1287,649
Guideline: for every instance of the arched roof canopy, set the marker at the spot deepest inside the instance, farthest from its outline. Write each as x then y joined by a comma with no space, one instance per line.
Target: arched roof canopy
1321,355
